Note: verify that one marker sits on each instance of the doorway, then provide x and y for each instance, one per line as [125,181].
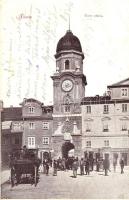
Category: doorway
[66,148]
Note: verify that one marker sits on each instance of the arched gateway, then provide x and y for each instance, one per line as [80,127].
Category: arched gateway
[66,147]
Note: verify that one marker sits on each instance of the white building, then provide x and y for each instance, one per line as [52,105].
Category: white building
[105,122]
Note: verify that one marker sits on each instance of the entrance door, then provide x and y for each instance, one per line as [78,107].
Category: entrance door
[66,147]
[44,155]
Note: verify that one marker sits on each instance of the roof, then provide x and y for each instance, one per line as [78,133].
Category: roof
[106,99]
[69,42]
[123,83]
[12,113]
[95,99]
[30,100]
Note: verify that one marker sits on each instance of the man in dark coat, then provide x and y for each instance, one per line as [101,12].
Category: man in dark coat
[122,165]
[106,165]
[87,167]
[75,167]
[82,166]
[55,166]
[47,168]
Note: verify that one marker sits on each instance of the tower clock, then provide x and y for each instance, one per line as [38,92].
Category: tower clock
[68,90]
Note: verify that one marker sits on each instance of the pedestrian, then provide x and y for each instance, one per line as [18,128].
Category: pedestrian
[122,165]
[44,166]
[106,165]
[63,164]
[114,164]
[47,168]
[82,166]
[55,165]
[87,166]
[75,168]
[41,168]
[97,165]
[67,164]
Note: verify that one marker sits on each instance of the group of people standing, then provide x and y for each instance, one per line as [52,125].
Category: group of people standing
[84,164]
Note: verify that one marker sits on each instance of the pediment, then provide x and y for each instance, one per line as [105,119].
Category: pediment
[106,118]
[124,118]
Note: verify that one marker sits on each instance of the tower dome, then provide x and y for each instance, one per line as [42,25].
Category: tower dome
[69,42]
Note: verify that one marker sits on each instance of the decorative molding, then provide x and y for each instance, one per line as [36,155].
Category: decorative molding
[106,118]
[124,118]
[67,115]
[56,84]
[88,120]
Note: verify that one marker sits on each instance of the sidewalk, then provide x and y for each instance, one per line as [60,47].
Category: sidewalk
[4,176]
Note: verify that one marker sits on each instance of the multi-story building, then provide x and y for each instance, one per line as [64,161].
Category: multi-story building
[37,125]
[12,131]
[68,90]
[29,125]
[75,123]
[105,122]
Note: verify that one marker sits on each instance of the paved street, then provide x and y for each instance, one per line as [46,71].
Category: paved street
[96,185]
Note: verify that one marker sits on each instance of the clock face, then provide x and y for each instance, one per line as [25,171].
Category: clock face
[67,85]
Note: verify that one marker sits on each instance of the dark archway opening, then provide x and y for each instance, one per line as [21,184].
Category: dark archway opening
[66,147]
[67,64]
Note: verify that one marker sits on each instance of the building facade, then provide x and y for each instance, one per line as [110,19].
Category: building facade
[68,90]
[105,122]
[74,124]
[38,126]
[12,132]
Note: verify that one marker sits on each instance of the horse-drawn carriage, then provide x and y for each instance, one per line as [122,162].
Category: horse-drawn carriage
[24,167]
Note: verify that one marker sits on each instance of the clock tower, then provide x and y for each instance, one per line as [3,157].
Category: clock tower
[68,90]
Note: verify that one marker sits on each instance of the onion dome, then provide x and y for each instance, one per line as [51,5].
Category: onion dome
[69,42]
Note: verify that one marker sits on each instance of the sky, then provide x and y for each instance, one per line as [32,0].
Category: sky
[31,29]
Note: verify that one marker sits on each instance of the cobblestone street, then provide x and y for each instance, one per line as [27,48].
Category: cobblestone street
[96,185]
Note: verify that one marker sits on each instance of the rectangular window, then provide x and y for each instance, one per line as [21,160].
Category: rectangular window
[88,127]
[88,109]
[17,140]
[106,143]
[67,108]
[124,107]
[16,126]
[31,125]
[45,140]
[45,125]
[105,109]
[105,127]
[88,143]
[31,142]
[31,109]
[124,92]
[124,126]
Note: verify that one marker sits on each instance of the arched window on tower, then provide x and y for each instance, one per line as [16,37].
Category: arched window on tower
[67,108]
[67,64]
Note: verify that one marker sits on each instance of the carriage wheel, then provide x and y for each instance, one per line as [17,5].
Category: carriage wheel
[35,176]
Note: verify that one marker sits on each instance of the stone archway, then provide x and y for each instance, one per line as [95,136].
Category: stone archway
[66,147]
